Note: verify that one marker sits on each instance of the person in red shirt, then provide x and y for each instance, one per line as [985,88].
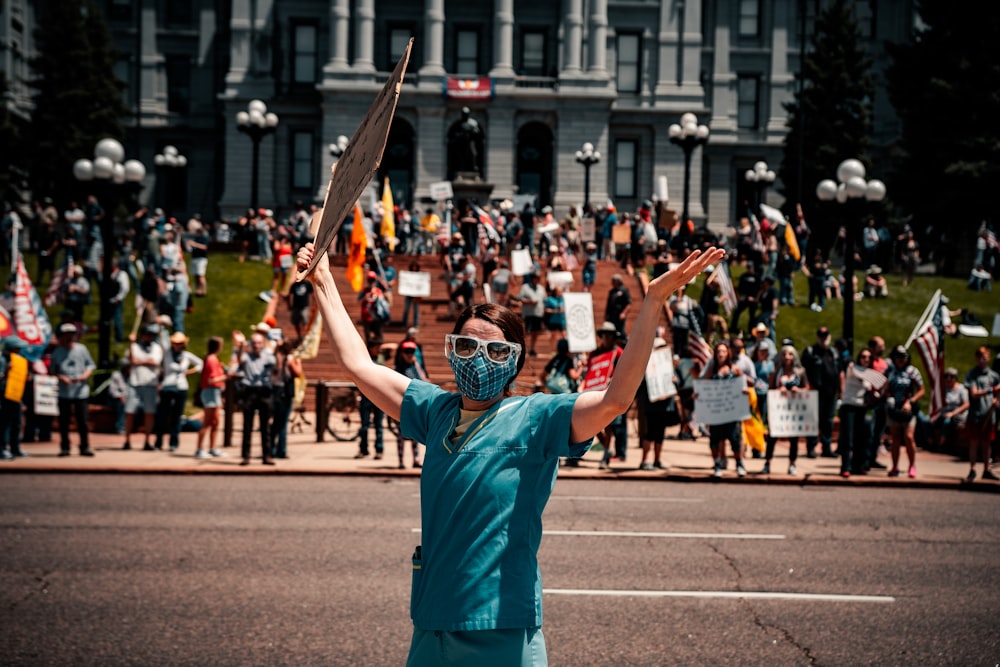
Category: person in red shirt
[600,368]
[213,382]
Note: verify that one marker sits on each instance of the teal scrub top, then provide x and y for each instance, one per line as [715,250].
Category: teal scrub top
[481,503]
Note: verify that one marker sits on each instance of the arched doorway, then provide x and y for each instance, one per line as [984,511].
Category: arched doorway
[534,161]
[397,163]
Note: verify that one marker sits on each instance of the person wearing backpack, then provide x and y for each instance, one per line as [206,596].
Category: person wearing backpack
[562,373]
[374,307]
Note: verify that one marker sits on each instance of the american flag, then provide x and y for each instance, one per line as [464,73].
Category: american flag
[991,238]
[53,294]
[486,225]
[930,345]
[727,293]
[699,349]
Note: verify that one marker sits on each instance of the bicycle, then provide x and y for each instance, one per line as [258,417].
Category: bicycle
[343,409]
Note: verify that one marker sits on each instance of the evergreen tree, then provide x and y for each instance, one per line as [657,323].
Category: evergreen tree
[831,115]
[78,100]
[945,87]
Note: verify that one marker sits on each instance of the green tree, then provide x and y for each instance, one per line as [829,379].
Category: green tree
[78,100]
[945,87]
[831,115]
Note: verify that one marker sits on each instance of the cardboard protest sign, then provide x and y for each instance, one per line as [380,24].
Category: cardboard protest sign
[580,321]
[46,395]
[660,374]
[721,401]
[357,166]
[521,263]
[414,283]
[792,414]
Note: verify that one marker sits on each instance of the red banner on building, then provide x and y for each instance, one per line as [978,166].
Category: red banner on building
[457,88]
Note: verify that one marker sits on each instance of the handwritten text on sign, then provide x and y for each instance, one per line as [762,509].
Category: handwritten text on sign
[792,414]
[721,401]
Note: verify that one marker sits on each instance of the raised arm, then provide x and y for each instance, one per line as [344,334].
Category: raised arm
[595,410]
[380,384]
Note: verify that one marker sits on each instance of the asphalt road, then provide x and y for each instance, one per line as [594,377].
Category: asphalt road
[232,570]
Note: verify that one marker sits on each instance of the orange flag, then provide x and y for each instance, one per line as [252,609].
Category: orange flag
[356,260]
[792,242]
[388,230]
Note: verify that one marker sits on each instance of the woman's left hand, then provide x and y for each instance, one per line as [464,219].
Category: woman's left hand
[668,283]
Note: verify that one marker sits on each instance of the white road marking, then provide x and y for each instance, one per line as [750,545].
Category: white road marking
[630,499]
[734,595]
[625,533]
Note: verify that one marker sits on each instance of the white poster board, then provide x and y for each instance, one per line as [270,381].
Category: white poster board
[587,228]
[46,395]
[721,401]
[414,283]
[520,262]
[660,374]
[996,326]
[441,190]
[562,279]
[580,327]
[792,414]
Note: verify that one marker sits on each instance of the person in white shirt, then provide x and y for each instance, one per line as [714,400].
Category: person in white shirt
[145,358]
[178,363]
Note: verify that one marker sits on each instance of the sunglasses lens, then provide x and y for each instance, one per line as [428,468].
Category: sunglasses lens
[498,351]
[465,346]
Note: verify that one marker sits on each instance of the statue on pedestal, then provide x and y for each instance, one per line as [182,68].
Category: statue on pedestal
[465,146]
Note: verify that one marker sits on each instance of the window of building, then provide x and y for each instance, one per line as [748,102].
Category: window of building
[399,37]
[629,50]
[180,12]
[747,101]
[864,12]
[626,167]
[533,53]
[302,160]
[467,51]
[121,9]
[122,71]
[748,23]
[179,83]
[304,58]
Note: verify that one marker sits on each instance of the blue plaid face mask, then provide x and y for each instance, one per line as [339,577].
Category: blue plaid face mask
[484,373]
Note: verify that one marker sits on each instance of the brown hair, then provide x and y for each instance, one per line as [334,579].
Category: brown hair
[510,324]
[214,344]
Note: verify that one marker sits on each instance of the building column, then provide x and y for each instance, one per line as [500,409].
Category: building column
[573,38]
[434,30]
[503,39]
[340,25]
[679,56]
[597,64]
[364,36]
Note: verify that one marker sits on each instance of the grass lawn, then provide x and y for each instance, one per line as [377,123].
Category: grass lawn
[892,318]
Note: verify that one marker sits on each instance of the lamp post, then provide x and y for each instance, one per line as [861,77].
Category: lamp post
[256,122]
[169,160]
[588,157]
[850,185]
[108,170]
[688,135]
[760,177]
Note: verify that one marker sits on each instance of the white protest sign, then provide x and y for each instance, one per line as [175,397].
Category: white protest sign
[520,262]
[660,374]
[580,321]
[792,414]
[46,395]
[441,190]
[721,401]
[587,228]
[996,325]
[560,279]
[414,283]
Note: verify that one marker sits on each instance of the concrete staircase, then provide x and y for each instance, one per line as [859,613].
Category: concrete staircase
[435,323]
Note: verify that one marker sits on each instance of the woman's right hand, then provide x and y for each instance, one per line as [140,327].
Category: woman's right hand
[321,273]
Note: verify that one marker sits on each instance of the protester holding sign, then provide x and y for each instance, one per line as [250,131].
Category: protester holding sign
[789,377]
[723,367]
[476,589]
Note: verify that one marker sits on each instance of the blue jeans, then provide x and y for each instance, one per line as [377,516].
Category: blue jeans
[369,413]
[853,439]
[413,302]
[786,294]
[827,408]
[279,423]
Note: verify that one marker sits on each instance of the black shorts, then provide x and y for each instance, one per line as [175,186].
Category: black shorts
[532,323]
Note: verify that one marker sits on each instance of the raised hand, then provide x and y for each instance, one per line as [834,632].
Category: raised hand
[693,264]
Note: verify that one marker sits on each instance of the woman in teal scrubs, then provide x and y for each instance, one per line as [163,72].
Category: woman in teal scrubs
[489,468]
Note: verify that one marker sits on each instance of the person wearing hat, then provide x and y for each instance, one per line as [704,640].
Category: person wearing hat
[13,381]
[255,365]
[767,302]
[178,364]
[608,223]
[76,295]
[904,388]
[600,369]
[374,306]
[589,271]
[617,306]
[145,359]
[761,339]
[491,461]
[72,365]
[875,283]
[954,414]
[820,362]
[408,364]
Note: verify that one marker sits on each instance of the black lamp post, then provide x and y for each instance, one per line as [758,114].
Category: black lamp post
[168,161]
[588,157]
[114,178]
[256,122]
[851,186]
[760,177]
[688,135]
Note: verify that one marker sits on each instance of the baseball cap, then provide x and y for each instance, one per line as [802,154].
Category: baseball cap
[408,346]
[150,329]
[951,371]
[607,327]
[372,275]
[67,328]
